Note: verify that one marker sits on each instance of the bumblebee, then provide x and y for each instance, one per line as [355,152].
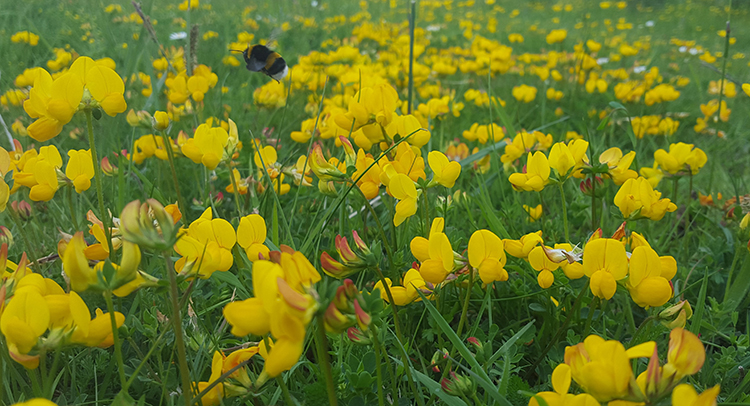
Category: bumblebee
[261,59]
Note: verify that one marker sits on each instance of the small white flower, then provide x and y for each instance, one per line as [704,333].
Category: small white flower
[602,61]
[314,3]
[683,49]
[433,28]
[649,23]
[693,51]
[177,35]
[639,69]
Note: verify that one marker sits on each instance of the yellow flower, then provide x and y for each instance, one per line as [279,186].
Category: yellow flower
[649,280]
[524,93]
[541,263]
[206,246]
[161,119]
[103,83]
[251,236]
[560,397]
[681,157]
[82,276]
[216,394]
[408,125]
[563,158]
[324,170]
[370,182]
[486,254]
[445,172]
[637,195]
[402,188]
[601,368]
[619,165]
[23,321]
[436,254]
[556,36]
[535,213]
[52,103]
[39,172]
[271,95]
[686,355]
[80,169]
[403,295]
[685,395]
[522,247]
[36,402]
[605,262]
[207,146]
[535,176]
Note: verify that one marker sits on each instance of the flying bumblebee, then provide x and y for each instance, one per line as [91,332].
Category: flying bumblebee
[261,59]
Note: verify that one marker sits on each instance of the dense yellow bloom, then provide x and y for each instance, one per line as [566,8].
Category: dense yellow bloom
[445,172]
[605,262]
[251,236]
[80,169]
[370,182]
[484,133]
[535,175]
[410,126]
[523,143]
[206,246]
[82,276]
[638,195]
[25,37]
[681,157]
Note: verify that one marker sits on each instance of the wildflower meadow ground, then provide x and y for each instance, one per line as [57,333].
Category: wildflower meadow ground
[391,202]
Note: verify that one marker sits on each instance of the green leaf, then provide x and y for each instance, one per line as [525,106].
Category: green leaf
[433,387]
[466,162]
[510,343]
[479,373]
[738,290]
[123,399]
[488,212]
[695,324]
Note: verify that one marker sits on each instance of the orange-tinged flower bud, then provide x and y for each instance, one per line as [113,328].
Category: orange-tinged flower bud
[686,353]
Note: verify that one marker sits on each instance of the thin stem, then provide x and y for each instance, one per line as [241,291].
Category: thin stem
[388,249]
[379,373]
[170,158]
[593,203]
[235,190]
[115,337]
[187,390]
[629,314]
[465,310]
[284,390]
[69,198]
[144,360]
[98,179]
[564,212]
[412,26]
[324,361]
[592,310]
[564,327]
[726,57]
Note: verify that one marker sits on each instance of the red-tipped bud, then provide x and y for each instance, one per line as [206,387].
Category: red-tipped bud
[357,336]
[457,385]
[342,246]
[6,237]
[332,267]
[363,318]
[22,209]
[588,187]
[620,233]
[108,168]
[359,243]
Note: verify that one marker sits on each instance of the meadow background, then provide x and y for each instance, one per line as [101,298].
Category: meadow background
[475,62]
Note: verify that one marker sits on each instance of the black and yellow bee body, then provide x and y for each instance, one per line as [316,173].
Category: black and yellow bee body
[259,58]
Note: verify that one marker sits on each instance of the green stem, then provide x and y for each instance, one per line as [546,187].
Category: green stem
[378,372]
[465,309]
[69,198]
[592,309]
[564,327]
[51,375]
[235,190]
[564,212]
[737,253]
[31,249]
[593,203]
[629,314]
[726,57]
[115,337]
[324,361]
[98,180]
[144,360]
[187,390]
[284,390]
[170,158]
[412,26]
